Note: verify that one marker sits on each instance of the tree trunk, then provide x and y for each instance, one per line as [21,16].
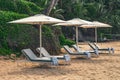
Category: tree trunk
[51,43]
[50,7]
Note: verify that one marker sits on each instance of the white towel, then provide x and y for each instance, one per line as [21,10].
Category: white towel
[67,57]
[96,52]
[88,54]
[54,61]
[112,49]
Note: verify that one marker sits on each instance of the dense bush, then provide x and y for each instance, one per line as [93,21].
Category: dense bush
[8,5]
[4,51]
[20,6]
[41,3]
[64,41]
[46,31]
[27,7]
[14,37]
[6,16]
[34,8]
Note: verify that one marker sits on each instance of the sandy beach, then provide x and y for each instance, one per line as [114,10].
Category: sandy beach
[104,67]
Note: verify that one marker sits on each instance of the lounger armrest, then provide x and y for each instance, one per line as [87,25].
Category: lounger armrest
[82,52]
[76,53]
[113,50]
[54,60]
[88,54]
[96,52]
[67,57]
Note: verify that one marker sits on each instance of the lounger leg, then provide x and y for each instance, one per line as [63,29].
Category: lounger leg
[54,61]
[88,55]
[112,49]
[54,66]
[96,52]
[109,50]
[67,58]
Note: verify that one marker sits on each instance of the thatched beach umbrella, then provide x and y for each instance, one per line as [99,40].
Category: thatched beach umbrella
[77,22]
[39,19]
[96,24]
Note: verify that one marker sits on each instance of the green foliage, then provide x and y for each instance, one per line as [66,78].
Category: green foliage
[4,51]
[34,8]
[14,36]
[27,7]
[106,11]
[5,29]
[57,13]
[41,3]
[20,6]
[46,31]
[7,5]
[79,10]
[6,16]
[64,41]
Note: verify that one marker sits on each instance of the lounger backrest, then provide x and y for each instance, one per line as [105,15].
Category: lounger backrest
[43,52]
[29,54]
[68,49]
[91,46]
[76,48]
[96,45]
[32,57]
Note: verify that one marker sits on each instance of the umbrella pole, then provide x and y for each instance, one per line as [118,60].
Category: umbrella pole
[76,35]
[96,34]
[40,39]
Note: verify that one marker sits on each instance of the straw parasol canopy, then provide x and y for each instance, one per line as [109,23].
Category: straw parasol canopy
[39,19]
[77,22]
[96,24]
[74,22]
